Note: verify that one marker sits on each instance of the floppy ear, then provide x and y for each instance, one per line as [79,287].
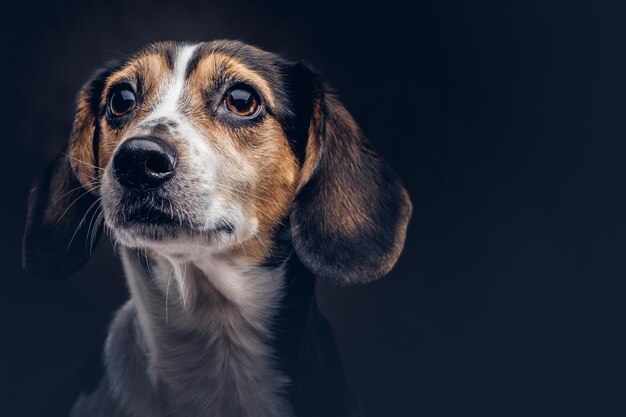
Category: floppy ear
[62,225]
[351,213]
[59,233]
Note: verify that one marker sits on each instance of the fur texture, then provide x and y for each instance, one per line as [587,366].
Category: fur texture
[220,258]
[205,353]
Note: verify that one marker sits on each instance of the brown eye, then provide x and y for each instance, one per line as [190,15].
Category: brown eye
[122,102]
[242,102]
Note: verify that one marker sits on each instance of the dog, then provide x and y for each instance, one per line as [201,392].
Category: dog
[229,179]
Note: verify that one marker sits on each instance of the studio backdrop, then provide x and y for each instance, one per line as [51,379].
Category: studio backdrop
[503,119]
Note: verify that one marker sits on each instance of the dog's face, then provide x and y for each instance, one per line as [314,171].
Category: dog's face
[194,151]
[218,147]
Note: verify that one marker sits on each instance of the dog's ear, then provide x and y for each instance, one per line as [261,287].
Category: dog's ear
[350,216]
[61,224]
[60,233]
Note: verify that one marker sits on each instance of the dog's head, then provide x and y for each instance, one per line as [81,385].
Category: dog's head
[186,149]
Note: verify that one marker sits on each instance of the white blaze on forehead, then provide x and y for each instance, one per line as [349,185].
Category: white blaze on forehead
[199,192]
[170,94]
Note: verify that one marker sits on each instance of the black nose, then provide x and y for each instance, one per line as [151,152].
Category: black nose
[144,163]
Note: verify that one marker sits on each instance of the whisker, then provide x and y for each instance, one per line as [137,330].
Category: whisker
[244,192]
[81,222]
[167,294]
[242,247]
[112,239]
[69,192]
[145,257]
[183,277]
[91,223]
[263,246]
[100,219]
[82,162]
[74,202]
[268,254]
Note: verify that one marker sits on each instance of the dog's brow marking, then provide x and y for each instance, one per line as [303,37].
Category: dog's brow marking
[168,101]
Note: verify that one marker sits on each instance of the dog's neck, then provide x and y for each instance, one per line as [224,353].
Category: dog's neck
[207,328]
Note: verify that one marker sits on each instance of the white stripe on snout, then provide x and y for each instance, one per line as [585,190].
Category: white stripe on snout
[197,182]
[168,102]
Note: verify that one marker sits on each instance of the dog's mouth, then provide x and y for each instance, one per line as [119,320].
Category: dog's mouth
[157,219]
[147,215]
[149,222]
[151,216]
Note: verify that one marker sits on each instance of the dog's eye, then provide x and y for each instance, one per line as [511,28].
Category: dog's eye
[122,101]
[242,102]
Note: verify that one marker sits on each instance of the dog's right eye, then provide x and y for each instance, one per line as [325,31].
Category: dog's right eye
[242,101]
[122,101]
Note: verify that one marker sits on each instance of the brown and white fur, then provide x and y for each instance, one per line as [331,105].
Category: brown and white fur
[220,259]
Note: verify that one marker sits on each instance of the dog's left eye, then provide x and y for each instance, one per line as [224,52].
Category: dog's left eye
[122,101]
[242,101]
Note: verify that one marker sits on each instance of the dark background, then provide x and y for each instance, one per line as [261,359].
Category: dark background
[505,121]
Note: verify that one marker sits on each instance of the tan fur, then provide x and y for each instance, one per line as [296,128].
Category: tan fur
[210,65]
[153,69]
[267,194]
[207,249]
[349,204]
[80,151]
[313,146]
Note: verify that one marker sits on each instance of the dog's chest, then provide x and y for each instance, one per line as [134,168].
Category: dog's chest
[206,327]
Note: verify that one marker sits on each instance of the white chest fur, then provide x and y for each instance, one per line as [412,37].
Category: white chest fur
[205,333]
